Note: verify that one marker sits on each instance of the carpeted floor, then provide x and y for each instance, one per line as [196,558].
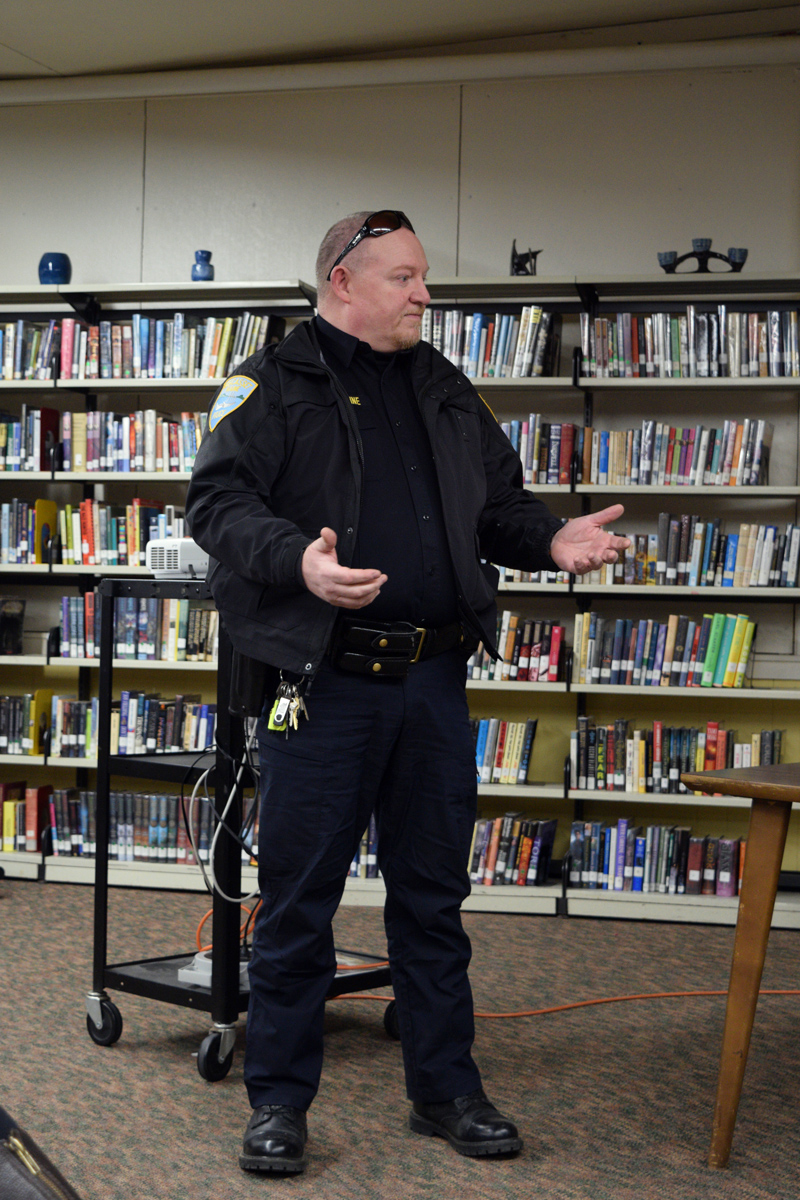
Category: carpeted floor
[614,1101]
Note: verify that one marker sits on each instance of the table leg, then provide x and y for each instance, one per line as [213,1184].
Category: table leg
[769,822]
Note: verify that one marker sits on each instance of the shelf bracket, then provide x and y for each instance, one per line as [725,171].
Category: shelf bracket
[85,306]
[589,297]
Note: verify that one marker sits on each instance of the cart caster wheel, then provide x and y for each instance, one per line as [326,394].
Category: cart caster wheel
[208,1063]
[390,1022]
[111,1030]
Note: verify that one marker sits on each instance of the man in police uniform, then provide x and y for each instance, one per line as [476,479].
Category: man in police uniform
[354,470]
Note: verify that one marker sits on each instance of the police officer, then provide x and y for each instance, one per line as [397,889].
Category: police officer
[351,489]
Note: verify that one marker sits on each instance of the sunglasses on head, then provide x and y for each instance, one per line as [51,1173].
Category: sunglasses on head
[376,225]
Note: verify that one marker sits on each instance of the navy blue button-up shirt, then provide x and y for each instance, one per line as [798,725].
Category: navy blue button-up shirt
[401,527]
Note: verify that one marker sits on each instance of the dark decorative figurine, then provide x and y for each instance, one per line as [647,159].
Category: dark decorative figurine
[523,264]
[701,251]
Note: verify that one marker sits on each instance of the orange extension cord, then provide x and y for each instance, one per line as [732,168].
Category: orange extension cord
[543,1012]
[496,1016]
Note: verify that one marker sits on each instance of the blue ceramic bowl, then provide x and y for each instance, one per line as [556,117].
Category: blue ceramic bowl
[55,268]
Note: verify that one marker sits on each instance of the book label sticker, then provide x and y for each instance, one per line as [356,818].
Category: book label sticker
[233,394]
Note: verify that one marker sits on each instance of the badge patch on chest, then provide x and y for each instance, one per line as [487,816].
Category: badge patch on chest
[234,392]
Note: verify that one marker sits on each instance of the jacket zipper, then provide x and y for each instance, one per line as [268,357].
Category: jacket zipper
[16,1147]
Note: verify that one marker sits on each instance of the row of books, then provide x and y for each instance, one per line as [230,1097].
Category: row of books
[143,826]
[26,722]
[183,346]
[145,629]
[499,345]
[531,651]
[735,454]
[14,814]
[90,533]
[694,344]
[44,722]
[615,758]
[503,749]
[687,551]
[144,440]
[511,850]
[507,575]
[73,727]
[661,859]
[145,723]
[678,652]
[29,349]
[60,821]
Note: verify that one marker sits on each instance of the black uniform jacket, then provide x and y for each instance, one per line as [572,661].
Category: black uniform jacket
[287,460]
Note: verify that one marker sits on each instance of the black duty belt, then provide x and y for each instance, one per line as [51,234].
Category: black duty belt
[389,648]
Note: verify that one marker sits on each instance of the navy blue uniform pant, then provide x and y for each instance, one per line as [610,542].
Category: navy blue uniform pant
[403,749]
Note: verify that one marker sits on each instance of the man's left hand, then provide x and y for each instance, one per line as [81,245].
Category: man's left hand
[583,545]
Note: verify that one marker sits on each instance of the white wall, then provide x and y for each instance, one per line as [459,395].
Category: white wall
[71,179]
[601,171]
[258,179]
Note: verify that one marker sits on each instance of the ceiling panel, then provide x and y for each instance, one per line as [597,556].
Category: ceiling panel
[42,36]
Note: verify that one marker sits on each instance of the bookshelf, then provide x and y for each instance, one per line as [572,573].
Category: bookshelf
[616,403]
[567,396]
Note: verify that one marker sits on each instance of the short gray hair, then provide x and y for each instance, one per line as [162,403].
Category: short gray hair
[334,243]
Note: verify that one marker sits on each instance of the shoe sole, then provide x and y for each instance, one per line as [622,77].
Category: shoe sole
[274,1166]
[471,1149]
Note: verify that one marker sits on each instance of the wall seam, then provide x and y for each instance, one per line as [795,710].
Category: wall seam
[144,192]
[458,172]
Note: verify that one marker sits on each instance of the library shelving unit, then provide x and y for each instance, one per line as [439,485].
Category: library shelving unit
[611,403]
[618,403]
[39,583]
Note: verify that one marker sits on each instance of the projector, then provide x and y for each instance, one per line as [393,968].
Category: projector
[176,558]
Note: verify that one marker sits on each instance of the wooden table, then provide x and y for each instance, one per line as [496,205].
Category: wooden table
[773,790]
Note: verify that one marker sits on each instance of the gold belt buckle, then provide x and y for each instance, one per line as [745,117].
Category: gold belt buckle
[424,634]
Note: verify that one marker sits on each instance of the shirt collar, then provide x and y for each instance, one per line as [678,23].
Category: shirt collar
[336,341]
[345,346]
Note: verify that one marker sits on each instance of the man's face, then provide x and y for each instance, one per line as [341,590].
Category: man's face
[387,291]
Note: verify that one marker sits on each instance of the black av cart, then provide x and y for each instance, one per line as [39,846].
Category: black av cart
[158,978]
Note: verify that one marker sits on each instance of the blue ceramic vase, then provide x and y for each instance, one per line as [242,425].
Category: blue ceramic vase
[55,268]
[202,271]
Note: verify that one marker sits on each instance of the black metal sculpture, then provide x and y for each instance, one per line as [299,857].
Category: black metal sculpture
[523,264]
[701,251]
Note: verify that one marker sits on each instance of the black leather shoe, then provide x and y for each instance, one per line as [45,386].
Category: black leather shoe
[275,1140]
[471,1124]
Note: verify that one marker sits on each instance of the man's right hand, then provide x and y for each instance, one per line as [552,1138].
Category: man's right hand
[341,586]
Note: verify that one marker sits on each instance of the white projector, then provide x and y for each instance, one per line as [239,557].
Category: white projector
[176,558]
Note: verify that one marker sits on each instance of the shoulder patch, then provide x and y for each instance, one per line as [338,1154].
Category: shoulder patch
[234,393]
[488,406]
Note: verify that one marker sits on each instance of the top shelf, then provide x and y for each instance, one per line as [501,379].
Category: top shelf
[605,289]
[270,292]
[274,291]
[456,289]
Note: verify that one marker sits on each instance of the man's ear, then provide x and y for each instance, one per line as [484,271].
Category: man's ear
[341,280]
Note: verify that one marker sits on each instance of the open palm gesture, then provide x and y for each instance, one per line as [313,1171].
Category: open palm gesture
[584,545]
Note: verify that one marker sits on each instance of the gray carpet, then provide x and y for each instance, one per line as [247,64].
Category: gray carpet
[614,1102]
